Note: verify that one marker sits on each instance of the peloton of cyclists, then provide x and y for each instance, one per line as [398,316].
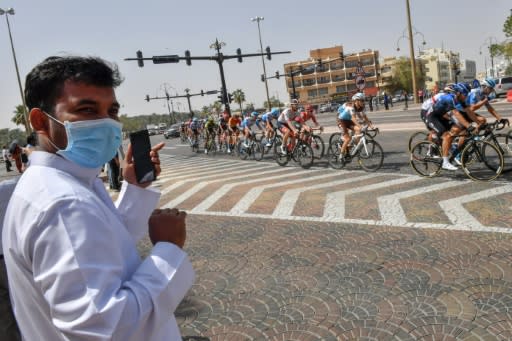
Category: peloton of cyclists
[210,128]
[233,123]
[352,117]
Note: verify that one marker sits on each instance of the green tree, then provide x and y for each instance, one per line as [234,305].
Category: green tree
[217,106]
[507,26]
[19,116]
[239,97]
[402,78]
[274,103]
[249,107]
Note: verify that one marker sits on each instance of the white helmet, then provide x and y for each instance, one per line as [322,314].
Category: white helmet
[358,96]
[294,102]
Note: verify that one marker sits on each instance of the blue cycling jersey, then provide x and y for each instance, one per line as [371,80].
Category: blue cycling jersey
[475,96]
[248,122]
[268,117]
[345,112]
[446,103]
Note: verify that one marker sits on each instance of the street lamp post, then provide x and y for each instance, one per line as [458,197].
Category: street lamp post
[489,43]
[25,114]
[411,51]
[258,19]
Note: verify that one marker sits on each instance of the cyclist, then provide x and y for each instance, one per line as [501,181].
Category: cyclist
[308,114]
[210,127]
[285,124]
[233,123]
[352,116]
[445,116]
[223,131]
[481,96]
[194,128]
[267,119]
[247,124]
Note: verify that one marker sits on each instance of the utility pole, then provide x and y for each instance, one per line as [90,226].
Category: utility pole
[411,51]
[187,95]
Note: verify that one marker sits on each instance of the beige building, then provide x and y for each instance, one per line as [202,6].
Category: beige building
[325,77]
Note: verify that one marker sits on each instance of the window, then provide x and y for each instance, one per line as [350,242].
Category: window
[351,87]
[323,80]
[308,82]
[322,91]
[367,61]
[370,84]
[336,65]
[338,78]
[341,89]
[312,93]
[351,63]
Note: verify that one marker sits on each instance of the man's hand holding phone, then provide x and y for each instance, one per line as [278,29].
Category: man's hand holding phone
[168,225]
[129,173]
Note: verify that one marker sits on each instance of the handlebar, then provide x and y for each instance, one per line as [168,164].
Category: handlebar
[371,132]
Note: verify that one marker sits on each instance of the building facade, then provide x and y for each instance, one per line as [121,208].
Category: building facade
[330,75]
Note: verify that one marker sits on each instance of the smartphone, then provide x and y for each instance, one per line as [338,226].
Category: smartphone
[141,146]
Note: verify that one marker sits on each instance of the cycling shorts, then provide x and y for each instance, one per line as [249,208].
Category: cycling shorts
[438,124]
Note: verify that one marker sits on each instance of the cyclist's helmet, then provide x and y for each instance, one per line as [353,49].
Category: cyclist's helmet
[254,114]
[489,82]
[475,84]
[194,119]
[294,102]
[449,88]
[274,112]
[462,88]
[358,97]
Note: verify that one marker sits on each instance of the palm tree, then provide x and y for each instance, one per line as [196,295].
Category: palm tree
[239,97]
[217,106]
[19,116]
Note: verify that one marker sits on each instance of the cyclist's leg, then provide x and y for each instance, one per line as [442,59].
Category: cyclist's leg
[345,126]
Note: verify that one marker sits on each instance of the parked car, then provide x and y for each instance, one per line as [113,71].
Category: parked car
[173,131]
[503,85]
[325,108]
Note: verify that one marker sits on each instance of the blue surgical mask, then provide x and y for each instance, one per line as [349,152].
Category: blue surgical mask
[91,143]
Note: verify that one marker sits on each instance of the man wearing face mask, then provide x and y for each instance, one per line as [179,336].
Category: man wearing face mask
[73,266]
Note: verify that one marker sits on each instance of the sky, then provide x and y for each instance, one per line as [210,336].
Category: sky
[116,29]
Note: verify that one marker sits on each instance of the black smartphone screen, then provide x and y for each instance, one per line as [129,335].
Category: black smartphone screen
[141,146]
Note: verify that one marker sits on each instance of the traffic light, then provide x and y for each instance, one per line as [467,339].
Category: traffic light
[202,93]
[221,97]
[140,61]
[277,75]
[147,98]
[262,77]
[269,55]
[167,95]
[239,55]
[230,99]
[165,59]
[187,58]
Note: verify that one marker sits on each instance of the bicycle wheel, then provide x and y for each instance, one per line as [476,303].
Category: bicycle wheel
[371,156]
[426,159]
[482,161]
[334,136]
[278,141]
[242,151]
[303,154]
[336,160]
[211,147]
[416,137]
[195,147]
[282,159]
[504,144]
[257,150]
[317,144]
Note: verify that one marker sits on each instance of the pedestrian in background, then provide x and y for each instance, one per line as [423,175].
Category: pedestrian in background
[74,269]
[15,152]
[5,157]
[406,99]
[386,101]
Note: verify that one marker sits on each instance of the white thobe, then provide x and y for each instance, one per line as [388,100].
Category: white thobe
[73,265]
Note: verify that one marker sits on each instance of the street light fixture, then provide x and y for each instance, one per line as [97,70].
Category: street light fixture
[10,11]
[258,19]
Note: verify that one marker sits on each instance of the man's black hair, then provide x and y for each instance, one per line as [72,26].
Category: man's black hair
[44,83]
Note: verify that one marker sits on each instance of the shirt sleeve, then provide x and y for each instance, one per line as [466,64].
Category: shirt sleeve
[135,205]
[94,283]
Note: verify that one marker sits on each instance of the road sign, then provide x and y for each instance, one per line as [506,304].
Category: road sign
[360,82]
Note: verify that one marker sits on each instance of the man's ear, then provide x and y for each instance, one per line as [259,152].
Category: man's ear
[39,121]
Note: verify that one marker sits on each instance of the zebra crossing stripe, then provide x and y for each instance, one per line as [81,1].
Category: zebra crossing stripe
[391,210]
[458,215]
[250,197]
[199,186]
[211,174]
[286,205]
[334,207]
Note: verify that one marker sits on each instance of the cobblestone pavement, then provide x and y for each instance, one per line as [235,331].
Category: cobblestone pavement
[393,265]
